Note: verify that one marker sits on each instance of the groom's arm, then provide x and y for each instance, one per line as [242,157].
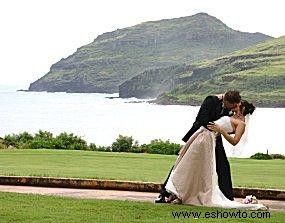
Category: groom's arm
[203,117]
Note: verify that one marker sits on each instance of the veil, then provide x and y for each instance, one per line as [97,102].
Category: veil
[240,150]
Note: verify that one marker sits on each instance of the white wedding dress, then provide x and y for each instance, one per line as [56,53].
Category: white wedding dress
[194,179]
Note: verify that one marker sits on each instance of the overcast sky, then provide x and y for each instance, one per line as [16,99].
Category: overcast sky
[37,33]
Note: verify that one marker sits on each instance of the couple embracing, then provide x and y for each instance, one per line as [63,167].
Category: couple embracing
[201,174]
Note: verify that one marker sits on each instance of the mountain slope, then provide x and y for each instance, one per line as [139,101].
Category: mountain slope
[258,72]
[114,57]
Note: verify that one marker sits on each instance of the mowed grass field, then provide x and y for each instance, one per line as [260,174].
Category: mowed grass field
[128,166]
[23,208]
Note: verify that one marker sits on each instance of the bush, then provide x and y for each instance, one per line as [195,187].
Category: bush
[65,141]
[2,145]
[93,147]
[42,140]
[44,135]
[11,140]
[138,149]
[124,144]
[24,140]
[261,156]
[159,146]
[69,141]
[277,156]
[25,137]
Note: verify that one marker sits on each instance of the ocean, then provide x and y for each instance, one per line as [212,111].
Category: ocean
[100,118]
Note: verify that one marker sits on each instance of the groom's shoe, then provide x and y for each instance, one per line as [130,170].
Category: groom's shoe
[160,199]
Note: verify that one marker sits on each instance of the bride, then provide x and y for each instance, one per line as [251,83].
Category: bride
[193,179]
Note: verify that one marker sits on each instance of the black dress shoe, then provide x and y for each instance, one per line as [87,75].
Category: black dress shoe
[160,199]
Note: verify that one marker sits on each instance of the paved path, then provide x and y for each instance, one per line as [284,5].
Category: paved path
[110,194]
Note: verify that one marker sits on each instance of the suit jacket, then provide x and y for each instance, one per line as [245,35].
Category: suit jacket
[210,110]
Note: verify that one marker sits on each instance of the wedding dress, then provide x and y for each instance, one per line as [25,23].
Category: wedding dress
[194,179]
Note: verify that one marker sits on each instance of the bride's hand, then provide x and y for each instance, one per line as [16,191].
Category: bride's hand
[214,127]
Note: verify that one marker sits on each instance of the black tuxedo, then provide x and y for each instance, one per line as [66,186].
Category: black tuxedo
[211,110]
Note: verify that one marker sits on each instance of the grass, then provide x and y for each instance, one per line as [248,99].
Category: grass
[23,208]
[128,166]
[85,164]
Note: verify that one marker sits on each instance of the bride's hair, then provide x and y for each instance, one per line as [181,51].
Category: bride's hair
[241,148]
[246,107]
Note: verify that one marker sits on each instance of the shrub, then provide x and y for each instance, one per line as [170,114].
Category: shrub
[277,156]
[138,149]
[2,145]
[24,137]
[24,140]
[42,140]
[44,135]
[69,141]
[11,140]
[261,156]
[159,146]
[123,144]
[93,147]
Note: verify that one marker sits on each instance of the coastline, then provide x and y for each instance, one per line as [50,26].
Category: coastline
[163,100]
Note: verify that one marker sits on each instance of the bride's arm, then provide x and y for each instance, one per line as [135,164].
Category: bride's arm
[232,140]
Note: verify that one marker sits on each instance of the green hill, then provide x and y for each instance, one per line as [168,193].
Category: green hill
[258,72]
[115,57]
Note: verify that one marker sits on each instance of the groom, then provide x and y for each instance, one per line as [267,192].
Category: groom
[212,108]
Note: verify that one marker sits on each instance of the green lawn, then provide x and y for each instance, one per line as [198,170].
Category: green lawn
[22,208]
[128,166]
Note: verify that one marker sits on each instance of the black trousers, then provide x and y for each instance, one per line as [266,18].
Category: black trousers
[223,172]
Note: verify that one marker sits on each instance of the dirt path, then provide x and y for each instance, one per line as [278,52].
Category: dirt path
[110,194]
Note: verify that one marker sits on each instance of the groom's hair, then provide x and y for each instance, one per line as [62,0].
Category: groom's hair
[232,97]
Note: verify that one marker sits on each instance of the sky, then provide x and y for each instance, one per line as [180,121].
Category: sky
[36,34]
